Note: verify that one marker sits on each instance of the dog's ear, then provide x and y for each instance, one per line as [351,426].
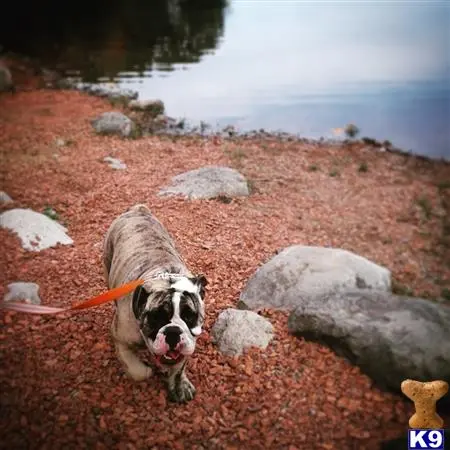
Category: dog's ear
[139,301]
[201,282]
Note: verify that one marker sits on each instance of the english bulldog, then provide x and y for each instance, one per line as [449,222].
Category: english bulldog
[166,313]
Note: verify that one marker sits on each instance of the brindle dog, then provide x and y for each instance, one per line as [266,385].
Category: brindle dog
[166,313]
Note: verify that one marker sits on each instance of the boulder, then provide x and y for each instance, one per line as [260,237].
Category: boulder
[208,182]
[236,331]
[390,337]
[115,163]
[29,292]
[36,231]
[114,123]
[300,272]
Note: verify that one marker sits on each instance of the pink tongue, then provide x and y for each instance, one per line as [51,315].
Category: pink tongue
[172,354]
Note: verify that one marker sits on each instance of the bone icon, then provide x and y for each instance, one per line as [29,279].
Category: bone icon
[425,396]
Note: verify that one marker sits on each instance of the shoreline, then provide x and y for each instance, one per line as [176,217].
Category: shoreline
[177,127]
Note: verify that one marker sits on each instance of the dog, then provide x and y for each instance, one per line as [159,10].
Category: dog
[166,313]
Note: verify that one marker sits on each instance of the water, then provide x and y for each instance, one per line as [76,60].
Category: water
[295,66]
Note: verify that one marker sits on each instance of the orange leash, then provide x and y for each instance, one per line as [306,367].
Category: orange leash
[106,297]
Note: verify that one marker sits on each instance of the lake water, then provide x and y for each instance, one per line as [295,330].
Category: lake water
[296,66]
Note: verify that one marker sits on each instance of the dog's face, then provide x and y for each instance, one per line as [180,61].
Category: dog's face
[171,315]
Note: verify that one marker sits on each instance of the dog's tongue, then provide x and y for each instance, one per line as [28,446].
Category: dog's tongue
[172,354]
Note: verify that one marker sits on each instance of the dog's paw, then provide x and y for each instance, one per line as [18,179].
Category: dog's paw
[183,392]
[140,373]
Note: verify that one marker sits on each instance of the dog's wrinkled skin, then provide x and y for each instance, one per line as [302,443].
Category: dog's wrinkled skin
[166,313]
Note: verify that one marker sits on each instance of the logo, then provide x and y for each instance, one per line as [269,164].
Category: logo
[429,439]
[425,425]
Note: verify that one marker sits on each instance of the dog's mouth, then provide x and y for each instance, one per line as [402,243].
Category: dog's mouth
[172,357]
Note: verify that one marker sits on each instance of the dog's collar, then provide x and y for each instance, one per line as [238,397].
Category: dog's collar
[176,280]
[165,276]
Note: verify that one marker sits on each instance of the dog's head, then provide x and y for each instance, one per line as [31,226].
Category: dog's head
[170,313]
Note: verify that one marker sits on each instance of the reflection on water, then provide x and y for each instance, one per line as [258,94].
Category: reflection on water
[301,67]
[111,38]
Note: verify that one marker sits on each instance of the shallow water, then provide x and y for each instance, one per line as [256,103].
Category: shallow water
[300,67]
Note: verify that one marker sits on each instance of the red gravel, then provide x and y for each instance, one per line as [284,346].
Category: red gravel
[61,385]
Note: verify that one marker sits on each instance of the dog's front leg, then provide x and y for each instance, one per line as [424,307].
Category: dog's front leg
[134,367]
[123,340]
[180,389]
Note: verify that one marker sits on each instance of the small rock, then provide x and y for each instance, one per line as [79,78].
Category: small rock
[60,142]
[23,291]
[111,91]
[105,90]
[154,107]
[115,163]
[5,198]
[164,120]
[6,82]
[236,330]
[36,231]
[114,123]
[208,182]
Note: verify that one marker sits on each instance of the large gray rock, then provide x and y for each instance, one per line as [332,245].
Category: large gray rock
[235,331]
[114,122]
[208,182]
[307,272]
[36,231]
[21,290]
[391,338]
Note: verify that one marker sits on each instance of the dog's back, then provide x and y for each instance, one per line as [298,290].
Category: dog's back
[137,239]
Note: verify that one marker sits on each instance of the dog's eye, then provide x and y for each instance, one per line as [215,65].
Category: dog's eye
[159,316]
[189,316]
[154,321]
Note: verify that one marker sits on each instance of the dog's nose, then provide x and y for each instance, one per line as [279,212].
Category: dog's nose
[172,335]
